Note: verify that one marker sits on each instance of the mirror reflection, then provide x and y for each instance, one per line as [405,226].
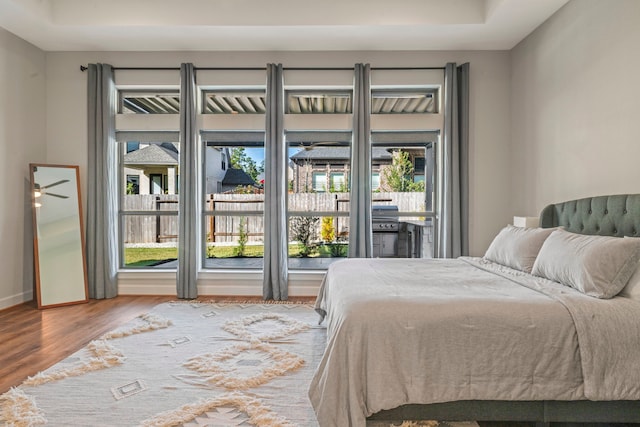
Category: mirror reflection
[58,235]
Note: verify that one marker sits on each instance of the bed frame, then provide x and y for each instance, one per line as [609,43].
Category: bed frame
[617,215]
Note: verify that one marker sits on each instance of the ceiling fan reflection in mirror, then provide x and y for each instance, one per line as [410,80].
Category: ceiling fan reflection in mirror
[40,190]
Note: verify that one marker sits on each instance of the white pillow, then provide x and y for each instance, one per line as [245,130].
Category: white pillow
[517,247]
[632,288]
[599,266]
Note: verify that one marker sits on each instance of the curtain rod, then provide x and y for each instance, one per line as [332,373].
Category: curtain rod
[84,68]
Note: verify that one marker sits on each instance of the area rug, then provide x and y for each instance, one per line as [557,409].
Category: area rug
[186,364]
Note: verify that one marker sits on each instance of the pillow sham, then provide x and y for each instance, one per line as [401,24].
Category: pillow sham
[632,288]
[517,247]
[599,266]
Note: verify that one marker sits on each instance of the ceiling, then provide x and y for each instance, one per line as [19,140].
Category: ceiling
[263,25]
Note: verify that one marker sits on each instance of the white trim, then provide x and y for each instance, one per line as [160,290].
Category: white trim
[146,282]
[16,299]
[215,282]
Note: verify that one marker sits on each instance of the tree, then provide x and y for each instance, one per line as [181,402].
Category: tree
[240,160]
[397,177]
[243,237]
[304,230]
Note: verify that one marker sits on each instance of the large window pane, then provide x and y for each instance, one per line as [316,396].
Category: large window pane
[404,174]
[234,241]
[150,241]
[234,205]
[149,204]
[319,199]
[156,166]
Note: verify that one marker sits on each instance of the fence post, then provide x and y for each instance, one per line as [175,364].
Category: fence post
[212,219]
[157,220]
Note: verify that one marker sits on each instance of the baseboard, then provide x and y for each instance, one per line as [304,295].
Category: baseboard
[14,300]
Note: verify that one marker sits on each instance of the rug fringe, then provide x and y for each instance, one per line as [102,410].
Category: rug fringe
[104,356]
[212,365]
[17,409]
[259,415]
[239,327]
[153,322]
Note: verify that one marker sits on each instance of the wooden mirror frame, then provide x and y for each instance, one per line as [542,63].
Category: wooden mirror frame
[58,236]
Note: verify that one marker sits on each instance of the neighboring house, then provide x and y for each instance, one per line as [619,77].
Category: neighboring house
[154,169]
[234,178]
[216,164]
[151,168]
[322,169]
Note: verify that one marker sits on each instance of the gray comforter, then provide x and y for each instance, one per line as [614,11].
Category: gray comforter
[425,331]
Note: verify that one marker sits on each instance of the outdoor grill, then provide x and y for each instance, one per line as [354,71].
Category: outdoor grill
[385,227]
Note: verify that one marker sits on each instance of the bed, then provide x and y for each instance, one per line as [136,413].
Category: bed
[545,327]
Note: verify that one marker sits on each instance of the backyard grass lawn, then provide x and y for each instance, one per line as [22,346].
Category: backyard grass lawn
[145,257]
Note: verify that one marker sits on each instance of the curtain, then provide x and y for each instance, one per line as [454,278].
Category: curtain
[275,278]
[453,226]
[102,191]
[360,236]
[187,208]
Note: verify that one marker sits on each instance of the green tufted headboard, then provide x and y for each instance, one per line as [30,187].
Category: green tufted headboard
[617,215]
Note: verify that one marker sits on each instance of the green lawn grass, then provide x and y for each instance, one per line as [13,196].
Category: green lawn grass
[148,257]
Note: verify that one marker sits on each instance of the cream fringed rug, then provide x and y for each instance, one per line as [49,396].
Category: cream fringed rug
[185,364]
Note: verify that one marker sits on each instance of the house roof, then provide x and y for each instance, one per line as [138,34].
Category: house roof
[237,177]
[153,154]
[336,153]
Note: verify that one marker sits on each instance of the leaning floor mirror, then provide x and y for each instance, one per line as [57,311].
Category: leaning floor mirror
[58,243]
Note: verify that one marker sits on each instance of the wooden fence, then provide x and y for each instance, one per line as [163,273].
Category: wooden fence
[223,228]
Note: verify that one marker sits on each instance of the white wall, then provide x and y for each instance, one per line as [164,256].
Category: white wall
[575,93]
[22,141]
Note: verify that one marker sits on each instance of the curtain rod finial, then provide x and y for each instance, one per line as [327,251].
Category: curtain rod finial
[83,68]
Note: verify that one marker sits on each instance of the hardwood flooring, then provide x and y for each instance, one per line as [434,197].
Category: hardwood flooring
[32,340]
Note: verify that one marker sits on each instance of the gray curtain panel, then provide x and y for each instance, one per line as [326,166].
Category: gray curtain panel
[453,226]
[360,235]
[187,208]
[102,191]
[275,278]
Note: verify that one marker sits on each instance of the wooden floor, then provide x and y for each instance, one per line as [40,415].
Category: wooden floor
[32,340]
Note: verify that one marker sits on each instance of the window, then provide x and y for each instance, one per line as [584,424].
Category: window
[132,146]
[319,201]
[233,201]
[133,184]
[231,149]
[318,102]
[404,101]
[230,101]
[148,102]
[402,185]
[149,205]
[319,182]
[375,181]
[338,182]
